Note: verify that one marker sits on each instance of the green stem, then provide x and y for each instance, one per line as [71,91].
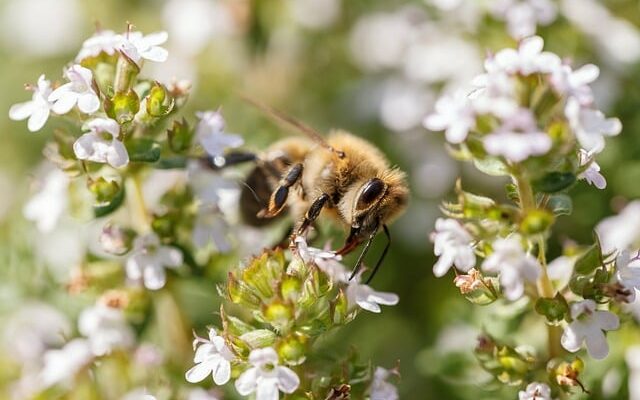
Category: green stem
[140,216]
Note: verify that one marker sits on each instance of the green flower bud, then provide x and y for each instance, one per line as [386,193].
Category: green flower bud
[290,288]
[536,221]
[180,136]
[126,72]
[240,293]
[259,338]
[554,310]
[159,103]
[292,349]
[123,106]
[104,191]
[278,314]
[259,276]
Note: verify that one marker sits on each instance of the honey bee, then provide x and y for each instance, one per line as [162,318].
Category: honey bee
[341,176]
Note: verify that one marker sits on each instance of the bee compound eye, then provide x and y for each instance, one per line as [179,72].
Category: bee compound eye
[371,191]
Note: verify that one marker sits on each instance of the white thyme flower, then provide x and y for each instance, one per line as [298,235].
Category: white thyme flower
[61,365]
[560,271]
[620,232]
[526,60]
[212,357]
[106,328]
[37,109]
[535,391]
[149,259]
[523,16]
[453,114]
[139,47]
[518,138]
[628,272]
[265,377]
[103,41]
[79,90]
[365,297]
[590,125]
[575,83]
[101,143]
[454,245]
[210,226]
[47,206]
[381,389]
[328,261]
[588,327]
[592,174]
[212,136]
[201,394]
[514,265]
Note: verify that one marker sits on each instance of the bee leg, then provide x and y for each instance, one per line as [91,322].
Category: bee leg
[383,255]
[229,159]
[364,252]
[312,213]
[278,198]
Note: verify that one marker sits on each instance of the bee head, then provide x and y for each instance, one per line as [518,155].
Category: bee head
[374,202]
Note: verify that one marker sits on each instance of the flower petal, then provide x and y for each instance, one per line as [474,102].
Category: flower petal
[89,102]
[288,381]
[38,119]
[384,298]
[263,356]
[170,256]
[369,306]
[267,389]
[60,92]
[247,381]
[156,38]
[572,337]
[222,373]
[198,373]
[65,103]
[596,344]
[21,111]
[154,277]
[606,320]
[117,155]
[157,54]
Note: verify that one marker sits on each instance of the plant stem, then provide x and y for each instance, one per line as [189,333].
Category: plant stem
[545,287]
[140,216]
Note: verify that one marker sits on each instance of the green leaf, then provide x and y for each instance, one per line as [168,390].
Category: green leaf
[589,260]
[178,162]
[107,208]
[560,204]
[143,150]
[554,182]
[491,166]
[554,309]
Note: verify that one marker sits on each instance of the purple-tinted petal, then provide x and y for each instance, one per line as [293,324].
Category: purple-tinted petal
[21,111]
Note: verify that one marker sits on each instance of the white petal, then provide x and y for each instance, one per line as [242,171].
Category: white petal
[204,351]
[443,265]
[288,381]
[384,298]
[65,103]
[198,373]
[157,54]
[38,119]
[596,344]
[21,111]
[247,381]
[531,46]
[585,74]
[369,306]
[606,320]
[83,146]
[60,92]
[89,103]
[572,337]
[154,277]
[134,268]
[156,38]
[170,256]
[263,356]
[117,155]
[267,390]
[222,373]
[457,132]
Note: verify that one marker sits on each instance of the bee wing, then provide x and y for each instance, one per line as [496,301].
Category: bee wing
[291,122]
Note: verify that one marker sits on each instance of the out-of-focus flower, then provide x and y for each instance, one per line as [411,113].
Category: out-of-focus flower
[632,357]
[103,41]
[266,378]
[454,245]
[139,47]
[47,206]
[212,136]
[592,174]
[514,265]
[368,299]
[403,105]
[628,273]
[61,365]
[576,83]
[590,125]
[40,34]
[315,14]
[148,355]
[32,329]
[212,357]
[106,328]
[210,226]
[453,114]
[148,260]
[560,271]
[328,261]
[523,16]
[37,109]
[79,90]
[467,283]
[526,60]
[518,138]
[138,394]
[93,146]
[381,389]
[620,232]
[535,391]
[588,326]
[201,394]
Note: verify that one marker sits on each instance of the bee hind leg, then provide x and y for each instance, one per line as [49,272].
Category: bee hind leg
[278,198]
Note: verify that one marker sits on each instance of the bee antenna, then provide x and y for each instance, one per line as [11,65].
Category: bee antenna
[383,255]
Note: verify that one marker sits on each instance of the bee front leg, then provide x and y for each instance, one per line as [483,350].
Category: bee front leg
[312,213]
[278,198]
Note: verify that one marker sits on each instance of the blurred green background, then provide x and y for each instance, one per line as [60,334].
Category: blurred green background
[328,63]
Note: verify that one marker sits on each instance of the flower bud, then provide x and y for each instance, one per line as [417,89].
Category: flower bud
[340,308]
[158,102]
[259,338]
[103,190]
[554,310]
[278,314]
[566,374]
[258,275]
[240,293]
[123,106]
[180,136]
[536,221]
[115,239]
[476,288]
[292,349]
[290,288]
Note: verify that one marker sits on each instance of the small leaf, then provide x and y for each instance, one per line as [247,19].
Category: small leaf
[589,260]
[143,150]
[554,309]
[107,208]
[491,166]
[554,182]
[560,204]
